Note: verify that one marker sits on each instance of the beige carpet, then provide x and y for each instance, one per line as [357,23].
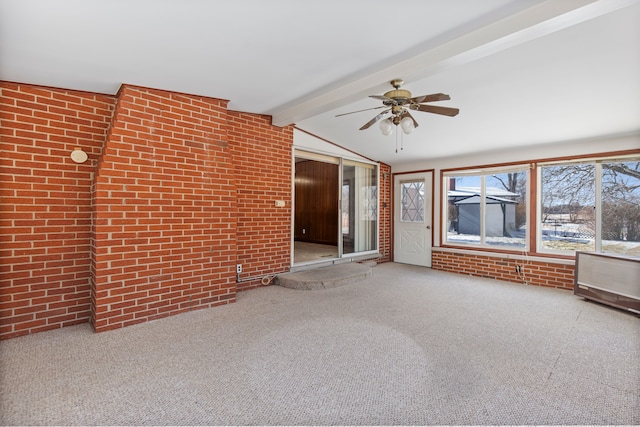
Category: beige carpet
[407,346]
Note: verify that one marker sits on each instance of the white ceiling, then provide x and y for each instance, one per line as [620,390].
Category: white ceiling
[522,72]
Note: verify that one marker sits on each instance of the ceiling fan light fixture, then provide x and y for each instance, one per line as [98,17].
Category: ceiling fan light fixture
[386,126]
[397,103]
[407,125]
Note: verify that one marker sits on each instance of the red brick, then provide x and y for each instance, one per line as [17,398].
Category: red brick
[535,273]
[165,197]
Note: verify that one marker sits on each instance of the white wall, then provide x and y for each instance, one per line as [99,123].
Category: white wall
[531,153]
[305,141]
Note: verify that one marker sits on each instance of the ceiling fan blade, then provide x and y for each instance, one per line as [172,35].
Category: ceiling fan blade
[359,111]
[406,114]
[430,98]
[445,111]
[374,120]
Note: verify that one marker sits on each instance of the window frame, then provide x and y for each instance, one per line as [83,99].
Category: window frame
[482,173]
[597,162]
[534,194]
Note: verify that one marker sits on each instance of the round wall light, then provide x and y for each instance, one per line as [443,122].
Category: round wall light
[78,155]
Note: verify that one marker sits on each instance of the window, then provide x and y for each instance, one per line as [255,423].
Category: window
[412,201]
[346,222]
[369,199]
[620,207]
[567,220]
[487,208]
[590,206]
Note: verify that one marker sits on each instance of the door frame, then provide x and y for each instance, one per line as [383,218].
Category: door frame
[394,206]
[339,160]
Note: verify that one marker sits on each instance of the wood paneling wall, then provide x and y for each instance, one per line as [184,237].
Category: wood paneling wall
[316,195]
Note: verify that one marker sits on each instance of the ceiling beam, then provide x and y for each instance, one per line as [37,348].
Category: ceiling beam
[529,24]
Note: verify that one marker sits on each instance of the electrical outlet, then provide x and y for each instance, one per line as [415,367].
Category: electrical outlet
[304,231]
[238,268]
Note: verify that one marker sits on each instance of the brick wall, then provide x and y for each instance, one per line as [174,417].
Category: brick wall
[386,213]
[513,270]
[165,209]
[176,192]
[45,204]
[262,159]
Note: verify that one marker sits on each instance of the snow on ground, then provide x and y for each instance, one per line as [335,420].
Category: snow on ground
[569,240]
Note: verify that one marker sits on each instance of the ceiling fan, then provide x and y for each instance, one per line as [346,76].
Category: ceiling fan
[398,103]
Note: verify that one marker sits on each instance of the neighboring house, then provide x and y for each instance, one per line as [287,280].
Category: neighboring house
[500,206]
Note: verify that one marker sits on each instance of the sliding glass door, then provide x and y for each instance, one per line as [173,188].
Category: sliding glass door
[335,208]
[359,207]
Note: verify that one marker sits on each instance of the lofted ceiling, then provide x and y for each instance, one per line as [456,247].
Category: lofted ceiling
[522,72]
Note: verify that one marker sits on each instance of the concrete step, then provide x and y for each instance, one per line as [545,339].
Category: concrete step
[325,277]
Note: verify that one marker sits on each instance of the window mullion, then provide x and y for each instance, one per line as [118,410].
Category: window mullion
[483,209]
[598,207]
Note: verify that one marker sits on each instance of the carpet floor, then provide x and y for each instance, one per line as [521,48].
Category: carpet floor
[408,346]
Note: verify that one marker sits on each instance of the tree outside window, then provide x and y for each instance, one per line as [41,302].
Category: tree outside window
[591,207]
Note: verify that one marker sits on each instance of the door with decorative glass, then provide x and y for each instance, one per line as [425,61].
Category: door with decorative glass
[412,219]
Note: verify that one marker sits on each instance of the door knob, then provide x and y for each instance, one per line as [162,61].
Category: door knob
[428,227]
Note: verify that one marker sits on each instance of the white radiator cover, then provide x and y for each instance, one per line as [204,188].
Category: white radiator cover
[610,279]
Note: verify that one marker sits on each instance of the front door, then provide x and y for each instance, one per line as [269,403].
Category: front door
[412,218]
